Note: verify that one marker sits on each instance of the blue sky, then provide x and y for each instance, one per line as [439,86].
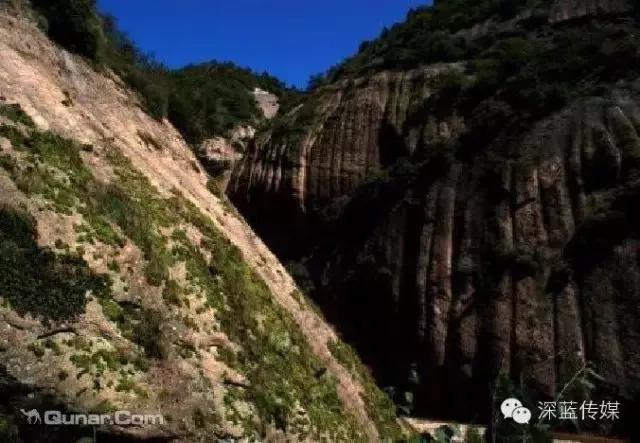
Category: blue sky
[290,39]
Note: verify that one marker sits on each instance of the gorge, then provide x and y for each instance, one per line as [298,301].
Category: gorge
[453,215]
[463,212]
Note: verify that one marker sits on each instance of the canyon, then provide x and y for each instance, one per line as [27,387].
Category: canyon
[463,259]
[127,285]
[447,218]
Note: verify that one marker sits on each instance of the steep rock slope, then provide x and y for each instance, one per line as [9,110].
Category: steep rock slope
[327,147]
[128,285]
[347,140]
[465,225]
[218,155]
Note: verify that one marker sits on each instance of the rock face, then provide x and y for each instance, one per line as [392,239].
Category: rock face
[358,130]
[439,287]
[120,218]
[563,10]
[267,102]
[355,129]
[218,155]
[463,278]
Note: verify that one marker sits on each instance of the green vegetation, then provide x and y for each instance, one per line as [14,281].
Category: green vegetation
[104,407]
[444,434]
[147,332]
[212,98]
[512,79]
[507,430]
[171,293]
[522,79]
[271,341]
[37,280]
[214,188]
[53,346]
[113,266]
[9,430]
[269,338]
[74,24]
[126,384]
[128,212]
[102,361]
[15,113]
[378,405]
[59,175]
[200,100]
[428,35]
[473,435]
[142,327]
[579,384]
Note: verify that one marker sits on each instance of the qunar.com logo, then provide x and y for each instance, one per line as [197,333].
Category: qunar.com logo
[121,418]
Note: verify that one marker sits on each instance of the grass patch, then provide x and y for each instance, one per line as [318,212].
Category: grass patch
[37,280]
[58,174]
[171,293]
[142,327]
[126,384]
[113,266]
[271,342]
[379,407]
[37,349]
[102,360]
[53,346]
[15,113]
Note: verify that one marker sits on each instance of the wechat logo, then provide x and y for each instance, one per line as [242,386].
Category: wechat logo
[512,408]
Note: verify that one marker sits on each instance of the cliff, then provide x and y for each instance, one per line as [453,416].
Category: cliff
[472,217]
[327,147]
[125,284]
[563,10]
[356,130]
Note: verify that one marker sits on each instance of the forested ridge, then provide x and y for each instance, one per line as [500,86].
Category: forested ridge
[201,101]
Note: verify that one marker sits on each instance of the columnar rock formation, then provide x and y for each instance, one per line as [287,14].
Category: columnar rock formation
[348,134]
[526,273]
[358,131]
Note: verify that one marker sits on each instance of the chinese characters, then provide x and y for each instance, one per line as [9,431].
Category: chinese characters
[572,410]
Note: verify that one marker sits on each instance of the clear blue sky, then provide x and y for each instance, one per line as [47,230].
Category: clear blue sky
[290,39]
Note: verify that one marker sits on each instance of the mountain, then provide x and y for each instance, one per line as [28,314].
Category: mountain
[126,285]
[201,101]
[215,106]
[460,199]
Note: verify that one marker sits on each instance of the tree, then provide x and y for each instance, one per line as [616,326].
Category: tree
[74,24]
[316,81]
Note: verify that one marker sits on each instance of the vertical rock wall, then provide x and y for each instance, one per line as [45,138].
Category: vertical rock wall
[468,280]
